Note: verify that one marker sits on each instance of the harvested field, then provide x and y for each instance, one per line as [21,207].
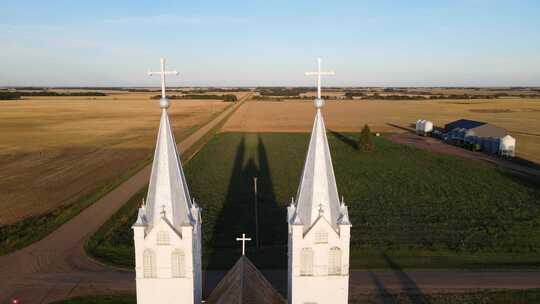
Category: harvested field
[54,150]
[520,116]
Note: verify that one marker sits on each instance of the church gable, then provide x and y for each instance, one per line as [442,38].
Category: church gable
[320,250]
[163,233]
[321,232]
[165,253]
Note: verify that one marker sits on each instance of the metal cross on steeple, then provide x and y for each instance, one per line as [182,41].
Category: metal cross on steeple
[243,239]
[319,73]
[162,73]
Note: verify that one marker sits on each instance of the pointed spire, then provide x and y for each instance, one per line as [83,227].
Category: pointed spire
[317,194]
[168,191]
[291,211]
[344,219]
[141,217]
[297,220]
[318,189]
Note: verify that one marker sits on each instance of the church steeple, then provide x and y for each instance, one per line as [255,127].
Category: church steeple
[319,226]
[317,193]
[168,191]
[167,232]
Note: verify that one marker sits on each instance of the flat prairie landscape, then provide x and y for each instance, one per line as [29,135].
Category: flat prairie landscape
[520,116]
[55,150]
[408,206]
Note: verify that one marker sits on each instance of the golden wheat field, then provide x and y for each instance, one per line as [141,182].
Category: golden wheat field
[520,116]
[54,150]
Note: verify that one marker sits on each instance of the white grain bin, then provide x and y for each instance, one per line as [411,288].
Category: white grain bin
[507,146]
[424,127]
[418,124]
[428,127]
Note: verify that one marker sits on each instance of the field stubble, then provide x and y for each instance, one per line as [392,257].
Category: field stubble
[520,116]
[55,150]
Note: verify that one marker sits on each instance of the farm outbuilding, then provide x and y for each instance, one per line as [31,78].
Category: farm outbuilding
[507,146]
[481,136]
[424,127]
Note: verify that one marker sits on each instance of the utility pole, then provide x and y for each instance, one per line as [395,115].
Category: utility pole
[257,243]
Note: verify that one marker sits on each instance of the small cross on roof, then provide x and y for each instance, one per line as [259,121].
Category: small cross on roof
[243,239]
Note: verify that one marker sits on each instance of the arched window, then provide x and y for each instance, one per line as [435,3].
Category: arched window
[334,261]
[321,237]
[149,264]
[306,262]
[178,268]
[162,238]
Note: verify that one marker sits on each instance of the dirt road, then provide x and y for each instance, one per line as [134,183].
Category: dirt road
[51,286]
[56,266]
[435,145]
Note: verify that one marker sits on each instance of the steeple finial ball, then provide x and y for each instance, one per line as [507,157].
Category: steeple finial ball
[319,103]
[164,103]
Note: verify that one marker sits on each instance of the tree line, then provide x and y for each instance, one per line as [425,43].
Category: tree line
[8,95]
[224,97]
[422,96]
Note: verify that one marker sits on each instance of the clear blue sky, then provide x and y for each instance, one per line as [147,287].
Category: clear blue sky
[228,43]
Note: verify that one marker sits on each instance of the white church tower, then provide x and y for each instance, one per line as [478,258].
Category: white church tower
[167,232]
[319,227]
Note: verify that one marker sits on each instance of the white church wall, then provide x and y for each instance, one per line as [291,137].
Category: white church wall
[323,285]
[328,290]
[165,286]
[196,246]
[165,291]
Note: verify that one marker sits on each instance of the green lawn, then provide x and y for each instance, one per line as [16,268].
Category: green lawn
[113,299]
[478,297]
[408,207]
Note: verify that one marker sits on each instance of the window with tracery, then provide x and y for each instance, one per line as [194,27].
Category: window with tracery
[163,238]
[321,237]
[149,264]
[178,264]
[334,261]
[306,262]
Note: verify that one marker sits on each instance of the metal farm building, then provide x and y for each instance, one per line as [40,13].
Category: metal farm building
[480,135]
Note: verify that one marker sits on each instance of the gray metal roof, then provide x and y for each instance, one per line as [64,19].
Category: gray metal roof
[168,190]
[463,123]
[476,128]
[318,190]
[244,284]
[488,130]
